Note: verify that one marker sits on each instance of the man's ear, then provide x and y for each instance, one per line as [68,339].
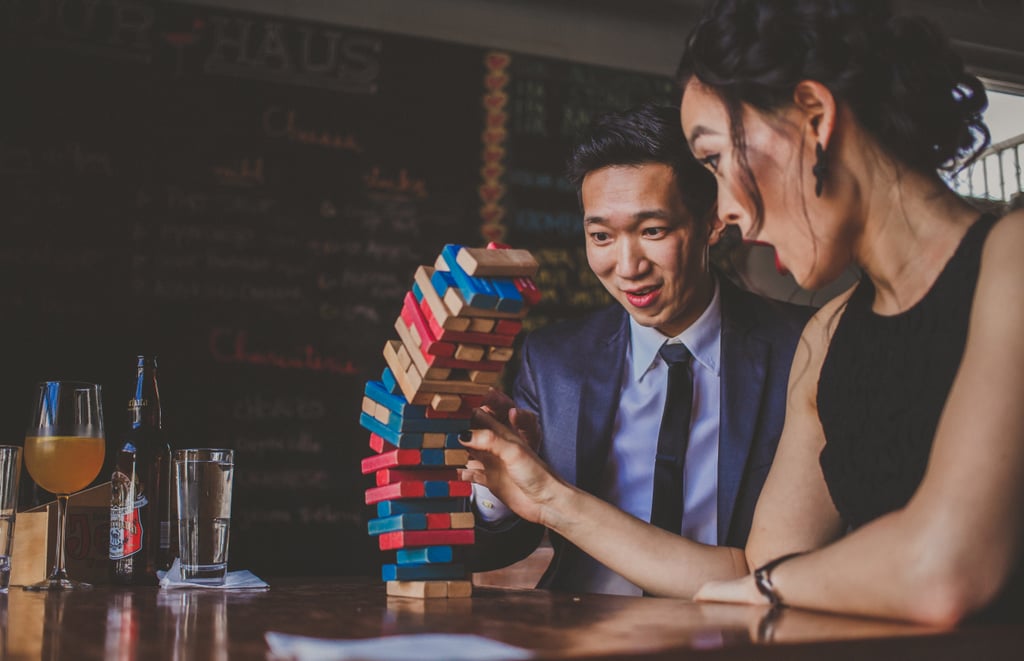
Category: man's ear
[818,106]
[716,227]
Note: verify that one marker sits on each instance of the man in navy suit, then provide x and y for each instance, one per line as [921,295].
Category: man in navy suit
[598,385]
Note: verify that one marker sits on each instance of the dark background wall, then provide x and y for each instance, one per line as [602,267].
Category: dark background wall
[248,196]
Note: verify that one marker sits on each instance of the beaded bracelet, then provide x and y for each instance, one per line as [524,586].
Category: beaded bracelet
[763,578]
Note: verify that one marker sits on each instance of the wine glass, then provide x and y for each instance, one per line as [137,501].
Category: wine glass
[64,449]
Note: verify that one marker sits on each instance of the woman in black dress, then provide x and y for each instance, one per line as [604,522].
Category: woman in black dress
[897,486]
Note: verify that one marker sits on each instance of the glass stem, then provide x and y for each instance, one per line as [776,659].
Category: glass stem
[59,572]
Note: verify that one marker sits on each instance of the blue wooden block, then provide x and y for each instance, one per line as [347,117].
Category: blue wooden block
[427,425]
[417,292]
[432,572]
[451,441]
[477,292]
[435,489]
[432,457]
[424,555]
[397,522]
[420,506]
[509,298]
[388,379]
[398,439]
[442,281]
[377,391]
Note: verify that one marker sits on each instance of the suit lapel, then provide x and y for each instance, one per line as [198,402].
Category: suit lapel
[744,367]
[598,401]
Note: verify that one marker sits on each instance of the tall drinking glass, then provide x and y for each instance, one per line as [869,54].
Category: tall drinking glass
[64,449]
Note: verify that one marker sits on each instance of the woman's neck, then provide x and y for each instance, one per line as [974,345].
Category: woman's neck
[912,226]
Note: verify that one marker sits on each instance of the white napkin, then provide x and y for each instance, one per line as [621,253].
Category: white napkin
[422,647]
[235,580]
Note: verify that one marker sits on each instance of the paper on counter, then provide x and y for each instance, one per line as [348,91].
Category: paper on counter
[422,647]
[235,580]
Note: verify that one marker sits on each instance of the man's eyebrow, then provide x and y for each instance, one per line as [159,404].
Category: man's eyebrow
[639,215]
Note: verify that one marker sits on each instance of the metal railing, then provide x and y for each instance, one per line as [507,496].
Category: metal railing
[996,176]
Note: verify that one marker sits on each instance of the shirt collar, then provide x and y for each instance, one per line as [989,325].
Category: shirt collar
[703,339]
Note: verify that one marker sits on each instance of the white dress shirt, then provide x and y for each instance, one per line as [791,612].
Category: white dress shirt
[628,481]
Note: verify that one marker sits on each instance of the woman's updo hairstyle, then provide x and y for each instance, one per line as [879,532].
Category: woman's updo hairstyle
[898,74]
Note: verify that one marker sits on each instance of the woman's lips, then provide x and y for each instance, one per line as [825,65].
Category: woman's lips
[642,298]
[779,266]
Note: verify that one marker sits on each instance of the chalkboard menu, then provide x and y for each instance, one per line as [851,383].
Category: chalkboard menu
[248,197]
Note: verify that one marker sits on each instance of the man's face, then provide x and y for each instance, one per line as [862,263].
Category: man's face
[644,246]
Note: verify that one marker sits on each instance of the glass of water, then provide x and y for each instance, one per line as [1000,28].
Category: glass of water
[10,470]
[203,477]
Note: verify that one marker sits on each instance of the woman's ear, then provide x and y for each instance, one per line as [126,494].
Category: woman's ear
[818,106]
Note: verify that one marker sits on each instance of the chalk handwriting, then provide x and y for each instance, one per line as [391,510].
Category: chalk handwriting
[231,346]
[402,183]
[279,123]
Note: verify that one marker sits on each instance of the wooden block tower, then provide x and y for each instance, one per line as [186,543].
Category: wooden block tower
[456,331]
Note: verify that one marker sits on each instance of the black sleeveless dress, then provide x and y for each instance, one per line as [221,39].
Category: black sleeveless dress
[883,386]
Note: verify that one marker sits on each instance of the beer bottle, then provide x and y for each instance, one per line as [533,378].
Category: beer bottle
[140,503]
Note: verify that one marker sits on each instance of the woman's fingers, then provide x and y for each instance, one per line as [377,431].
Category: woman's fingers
[525,422]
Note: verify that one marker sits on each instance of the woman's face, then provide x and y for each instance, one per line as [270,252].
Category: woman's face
[780,154]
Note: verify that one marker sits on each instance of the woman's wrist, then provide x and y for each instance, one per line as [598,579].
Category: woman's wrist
[556,510]
[764,582]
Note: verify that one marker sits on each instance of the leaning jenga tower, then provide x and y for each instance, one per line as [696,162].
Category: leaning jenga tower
[456,331]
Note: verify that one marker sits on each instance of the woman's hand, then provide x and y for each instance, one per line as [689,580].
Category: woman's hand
[504,462]
[741,590]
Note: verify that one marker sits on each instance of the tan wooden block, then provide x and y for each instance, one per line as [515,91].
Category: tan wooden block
[404,357]
[486,378]
[409,389]
[432,375]
[488,263]
[460,589]
[470,352]
[369,407]
[500,354]
[418,589]
[463,520]
[456,457]
[445,318]
[445,402]
[382,413]
[440,264]
[434,440]
[415,356]
[453,299]
[418,385]
[414,335]
[481,324]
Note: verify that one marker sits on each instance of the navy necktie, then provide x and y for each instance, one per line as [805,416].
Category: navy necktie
[673,438]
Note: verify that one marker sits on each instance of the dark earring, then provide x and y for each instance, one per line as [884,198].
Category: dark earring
[820,169]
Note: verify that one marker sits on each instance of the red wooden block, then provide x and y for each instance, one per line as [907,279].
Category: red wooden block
[390,459]
[401,539]
[507,327]
[528,290]
[378,444]
[464,413]
[439,521]
[459,489]
[392,475]
[411,489]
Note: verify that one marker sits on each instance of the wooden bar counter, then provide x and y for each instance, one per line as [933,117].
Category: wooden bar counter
[148,623]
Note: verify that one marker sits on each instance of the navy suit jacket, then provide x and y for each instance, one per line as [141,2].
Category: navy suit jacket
[570,375]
